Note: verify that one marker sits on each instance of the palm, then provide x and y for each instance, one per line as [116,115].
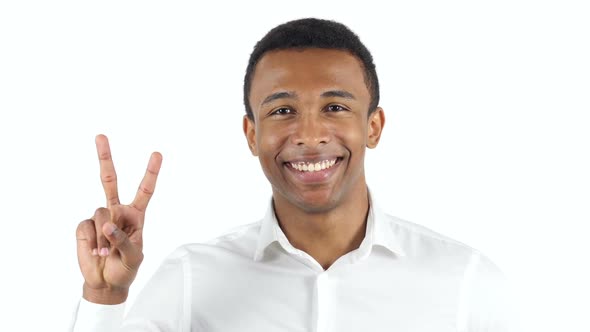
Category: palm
[119,268]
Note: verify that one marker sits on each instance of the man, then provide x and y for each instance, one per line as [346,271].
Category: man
[325,257]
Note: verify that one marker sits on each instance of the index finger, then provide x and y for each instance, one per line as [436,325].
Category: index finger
[148,184]
[108,176]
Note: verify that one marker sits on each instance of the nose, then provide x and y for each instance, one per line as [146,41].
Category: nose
[310,131]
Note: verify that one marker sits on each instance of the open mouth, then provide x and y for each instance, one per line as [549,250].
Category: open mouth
[315,166]
[315,170]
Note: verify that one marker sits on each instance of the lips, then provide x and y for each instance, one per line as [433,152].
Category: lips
[315,170]
[313,166]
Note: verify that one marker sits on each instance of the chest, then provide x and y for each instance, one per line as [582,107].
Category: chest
[388,299]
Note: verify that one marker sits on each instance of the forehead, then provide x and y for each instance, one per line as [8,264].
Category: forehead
[309,71]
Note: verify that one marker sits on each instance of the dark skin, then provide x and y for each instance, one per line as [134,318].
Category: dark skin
[110,244]
[317,110]
[320,115]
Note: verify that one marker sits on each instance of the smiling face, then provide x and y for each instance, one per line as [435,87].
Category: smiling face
[311,126]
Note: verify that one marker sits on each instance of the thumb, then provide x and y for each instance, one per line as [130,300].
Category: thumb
[118,239]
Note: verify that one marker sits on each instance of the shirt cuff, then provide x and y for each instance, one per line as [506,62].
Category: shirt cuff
[93,317]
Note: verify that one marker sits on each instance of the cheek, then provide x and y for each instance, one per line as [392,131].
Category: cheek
[354,137]
[270,141]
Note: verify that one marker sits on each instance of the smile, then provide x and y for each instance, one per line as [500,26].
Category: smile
[313,166]
[314,171]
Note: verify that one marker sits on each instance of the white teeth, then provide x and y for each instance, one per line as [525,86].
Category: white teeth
[313,167]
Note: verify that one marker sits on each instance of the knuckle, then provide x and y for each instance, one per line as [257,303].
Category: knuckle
[105,155]
[113,200]
[85,229]
[146,190]
[101,215]
[107,178]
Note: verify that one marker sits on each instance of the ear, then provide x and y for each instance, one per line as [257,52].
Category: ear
[375,127]
[250,132]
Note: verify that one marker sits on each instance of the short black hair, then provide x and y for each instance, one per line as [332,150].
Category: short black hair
[313,33]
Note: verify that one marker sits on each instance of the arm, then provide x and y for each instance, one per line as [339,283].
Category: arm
[110,244]
[163,305]
[485,301]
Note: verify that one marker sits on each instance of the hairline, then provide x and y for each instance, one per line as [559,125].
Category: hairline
[359,60]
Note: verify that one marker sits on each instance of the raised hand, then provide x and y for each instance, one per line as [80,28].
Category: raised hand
[110,243]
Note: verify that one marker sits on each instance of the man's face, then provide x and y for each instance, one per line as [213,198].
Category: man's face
[311,125]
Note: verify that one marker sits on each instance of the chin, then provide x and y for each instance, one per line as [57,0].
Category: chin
[316,201]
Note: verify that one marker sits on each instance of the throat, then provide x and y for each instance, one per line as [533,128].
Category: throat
[325,237]
[326,234]
[328,248]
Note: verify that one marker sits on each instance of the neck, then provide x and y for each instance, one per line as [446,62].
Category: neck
[326,235]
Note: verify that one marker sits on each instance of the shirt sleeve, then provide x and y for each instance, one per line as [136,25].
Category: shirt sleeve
[92,317]
[163,305]
[485,302]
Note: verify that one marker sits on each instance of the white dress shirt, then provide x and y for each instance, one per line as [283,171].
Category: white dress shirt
[403,277]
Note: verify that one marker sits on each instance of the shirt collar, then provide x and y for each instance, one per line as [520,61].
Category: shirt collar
[379,231]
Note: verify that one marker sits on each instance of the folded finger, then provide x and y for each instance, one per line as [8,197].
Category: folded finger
[86,238]
[101,216]
[131,254]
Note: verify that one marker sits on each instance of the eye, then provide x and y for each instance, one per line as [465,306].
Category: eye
[282,111]
[335,108]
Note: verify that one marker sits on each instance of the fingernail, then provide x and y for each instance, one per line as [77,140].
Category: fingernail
[110,228]
[94,252]
[104,251]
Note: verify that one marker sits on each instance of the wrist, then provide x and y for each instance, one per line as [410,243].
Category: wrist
[107,295]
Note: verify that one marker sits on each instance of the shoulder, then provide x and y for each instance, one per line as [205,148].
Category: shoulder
[240,240]
[433,247]
[411,231]
[420,241]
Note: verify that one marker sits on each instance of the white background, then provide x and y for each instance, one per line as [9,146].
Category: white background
[486,140]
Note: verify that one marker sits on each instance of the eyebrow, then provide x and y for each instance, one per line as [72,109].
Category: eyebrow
[338,93]
[279,95]
[293,95]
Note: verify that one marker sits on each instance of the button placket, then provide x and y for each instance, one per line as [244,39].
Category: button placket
[324,300]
